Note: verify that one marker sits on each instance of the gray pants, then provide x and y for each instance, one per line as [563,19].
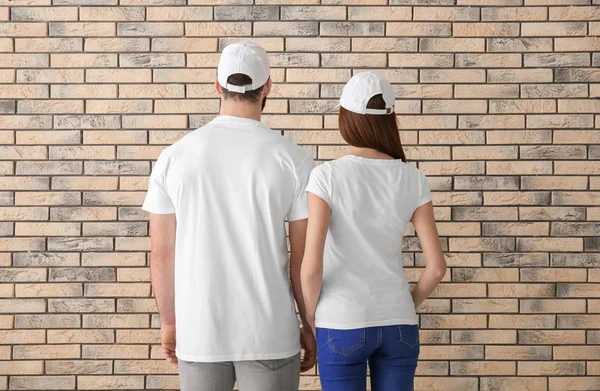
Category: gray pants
[261,375]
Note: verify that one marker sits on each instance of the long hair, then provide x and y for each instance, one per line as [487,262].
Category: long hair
[378,132]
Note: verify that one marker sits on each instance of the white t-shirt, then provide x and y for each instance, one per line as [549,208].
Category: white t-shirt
[371,201]
[232,183]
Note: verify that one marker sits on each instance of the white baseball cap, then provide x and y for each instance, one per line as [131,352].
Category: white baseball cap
[246,58]
[361,88]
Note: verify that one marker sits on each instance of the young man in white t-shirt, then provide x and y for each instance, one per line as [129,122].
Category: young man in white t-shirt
[218,200]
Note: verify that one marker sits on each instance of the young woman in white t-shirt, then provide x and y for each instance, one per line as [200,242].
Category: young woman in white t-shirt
[358,300]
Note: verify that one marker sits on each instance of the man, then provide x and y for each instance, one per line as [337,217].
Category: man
[218,200]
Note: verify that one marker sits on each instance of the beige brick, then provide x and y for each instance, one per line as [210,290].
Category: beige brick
[452,44]
[50,106]
[218,29]
[110,382]
[46,321]
[574,13]
[22,368]
[184,44]
[557,2]
[52,290]
[451,352]
[482,244]
[519,44]
[354,60]
[484,337]
[138,336]
[158,60]
[80,336]
[84,183]
[523,106]
[484,305]
[488,60]
[587,44]
[556,60]
[551,368]
[521,322]
[48,44]
[445,13]
[485,30]
[117,44]
[117,14]
[516,198]
[64,60]
[513,13]
[114,351]
[43,14]
[23,29]
[83,91]
[151,91]
[485,152]
[24,91]
[552,306]
[378,13]
[25,352]
[351,28]
[483,368]
[81,29]
[116,321]
[450,137]
[453,321]
[178,13]
[49,76]
[519,167]
[486,91]
[129,29]
[549,244]
[491,121]
[46,229]
[554,29]
[520,76]
[78,367]
[551,336]
[452,76]
[419,29]
[384,45]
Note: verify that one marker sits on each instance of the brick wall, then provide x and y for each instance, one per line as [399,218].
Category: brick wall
[497,104]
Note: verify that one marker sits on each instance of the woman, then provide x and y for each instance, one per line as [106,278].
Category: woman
[354,286]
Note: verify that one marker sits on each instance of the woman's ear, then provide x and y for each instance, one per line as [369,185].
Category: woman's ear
[218,87]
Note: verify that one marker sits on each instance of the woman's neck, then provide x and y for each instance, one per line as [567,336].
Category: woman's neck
[369,153]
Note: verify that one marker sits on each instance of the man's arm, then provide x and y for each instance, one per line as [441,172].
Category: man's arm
[312,267]
[162,273]
[297,240]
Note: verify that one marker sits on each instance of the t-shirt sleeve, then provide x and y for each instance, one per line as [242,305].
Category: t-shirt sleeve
[299,210]
[318,184]
[425,193]
[157,200]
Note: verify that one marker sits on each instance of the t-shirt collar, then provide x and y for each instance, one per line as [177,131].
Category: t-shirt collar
[239,121]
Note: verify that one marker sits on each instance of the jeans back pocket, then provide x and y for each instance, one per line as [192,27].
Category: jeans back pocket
[409,334]
[346,341]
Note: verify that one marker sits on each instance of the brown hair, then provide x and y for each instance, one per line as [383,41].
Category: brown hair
[378,132]
[239,79]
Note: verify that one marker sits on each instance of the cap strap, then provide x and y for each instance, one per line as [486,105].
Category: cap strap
[388,110]
[240,89]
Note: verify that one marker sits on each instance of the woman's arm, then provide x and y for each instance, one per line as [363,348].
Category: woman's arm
[435,264]
[312,265]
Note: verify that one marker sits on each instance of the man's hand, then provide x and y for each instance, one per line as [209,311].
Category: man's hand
[309,344]
[167,340]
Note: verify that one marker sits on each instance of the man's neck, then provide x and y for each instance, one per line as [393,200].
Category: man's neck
[241,109]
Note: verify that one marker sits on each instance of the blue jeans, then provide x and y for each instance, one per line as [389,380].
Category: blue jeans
[392,353]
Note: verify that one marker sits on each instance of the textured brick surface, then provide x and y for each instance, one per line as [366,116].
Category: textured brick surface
[497,104]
